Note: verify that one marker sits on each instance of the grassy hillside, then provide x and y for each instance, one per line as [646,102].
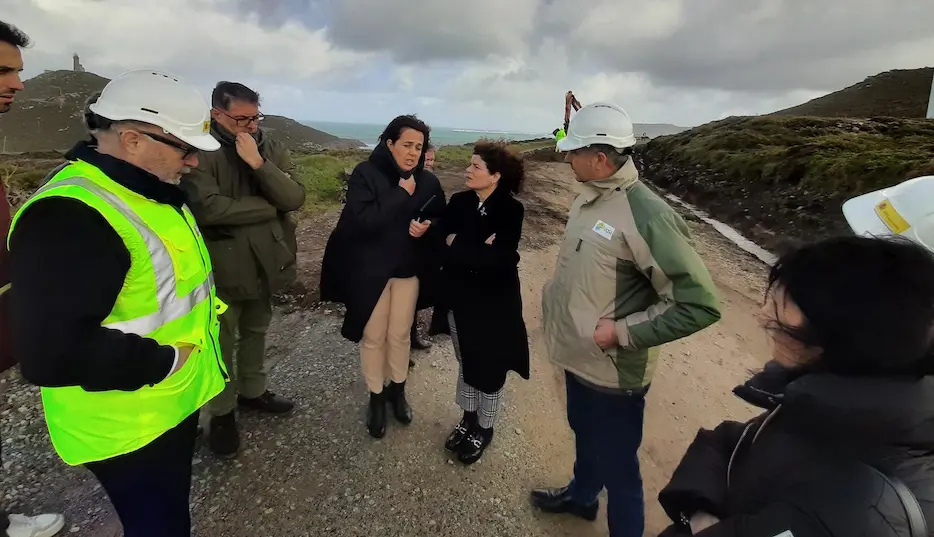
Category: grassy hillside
[898,93]
[323,173]
[48,114]
[788,175]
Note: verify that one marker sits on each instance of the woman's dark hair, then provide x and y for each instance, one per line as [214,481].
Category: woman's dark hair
[393,131]
[504,161]
[868,304]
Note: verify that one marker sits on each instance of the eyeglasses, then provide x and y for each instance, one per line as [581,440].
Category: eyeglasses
[245,121]
[187,150]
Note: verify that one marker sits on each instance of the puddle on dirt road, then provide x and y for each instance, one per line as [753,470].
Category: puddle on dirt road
[734,236]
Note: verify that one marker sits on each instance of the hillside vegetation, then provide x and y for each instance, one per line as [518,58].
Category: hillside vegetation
[323,173]
[48,116]
[898,93]
[786,177]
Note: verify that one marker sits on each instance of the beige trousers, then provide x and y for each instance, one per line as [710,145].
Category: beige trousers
[384,351]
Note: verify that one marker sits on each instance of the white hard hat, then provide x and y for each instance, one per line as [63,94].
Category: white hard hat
[162,100]
[599,123]
[906,209]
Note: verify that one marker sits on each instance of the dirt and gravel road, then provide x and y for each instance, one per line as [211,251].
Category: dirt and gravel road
[317,472]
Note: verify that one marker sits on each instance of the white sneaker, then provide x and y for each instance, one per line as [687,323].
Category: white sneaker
[35,526]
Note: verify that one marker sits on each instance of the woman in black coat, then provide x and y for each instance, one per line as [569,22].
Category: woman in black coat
[385,243]
[845,446]
[481,304]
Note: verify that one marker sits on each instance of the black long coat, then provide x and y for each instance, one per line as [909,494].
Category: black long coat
[480,285]
[812,465]
[372,238]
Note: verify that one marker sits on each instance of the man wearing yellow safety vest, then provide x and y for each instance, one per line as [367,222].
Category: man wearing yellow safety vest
[113,301]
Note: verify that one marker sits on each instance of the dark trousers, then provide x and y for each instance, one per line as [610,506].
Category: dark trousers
[149,487]
[608,431]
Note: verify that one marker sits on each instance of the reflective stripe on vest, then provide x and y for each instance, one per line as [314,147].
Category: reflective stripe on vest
[171,306]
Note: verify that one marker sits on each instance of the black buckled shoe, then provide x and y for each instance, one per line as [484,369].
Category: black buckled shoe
[559,501]
[400,407]
[223,437]
[268,402]
[458,435]
[376,415]
[472,448]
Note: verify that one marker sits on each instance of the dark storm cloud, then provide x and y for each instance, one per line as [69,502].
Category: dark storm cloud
[424,31]
[737,45]
[772,45]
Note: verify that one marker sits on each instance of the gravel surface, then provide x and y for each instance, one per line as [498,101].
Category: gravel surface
[317,471]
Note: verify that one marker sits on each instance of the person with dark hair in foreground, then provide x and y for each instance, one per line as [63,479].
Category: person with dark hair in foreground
[383,246]
[12,40]
[242,196]
[481,303]
[844,445]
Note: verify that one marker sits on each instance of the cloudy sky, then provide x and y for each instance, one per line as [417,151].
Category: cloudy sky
[491,64]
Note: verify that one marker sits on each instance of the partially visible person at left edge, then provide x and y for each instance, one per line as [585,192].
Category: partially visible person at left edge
[11,64]
[242,196]
[114,306]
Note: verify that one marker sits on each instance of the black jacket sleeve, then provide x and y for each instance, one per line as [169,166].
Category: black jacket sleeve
[503,253]
[373,210]
[68,266]
[699,481]
[775,520]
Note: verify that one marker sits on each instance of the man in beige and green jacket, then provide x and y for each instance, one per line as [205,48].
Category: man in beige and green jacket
[627,281]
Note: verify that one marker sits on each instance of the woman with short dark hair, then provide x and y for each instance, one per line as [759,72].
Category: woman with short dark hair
[481,304]
[376,256]
[845,446]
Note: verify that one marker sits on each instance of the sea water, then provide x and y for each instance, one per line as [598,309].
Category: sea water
[369,134]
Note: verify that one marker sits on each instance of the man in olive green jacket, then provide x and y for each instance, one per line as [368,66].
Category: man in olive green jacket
[627,281]
[241,197]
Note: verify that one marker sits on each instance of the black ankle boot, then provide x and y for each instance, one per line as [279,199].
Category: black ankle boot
[376,415]
[400,407]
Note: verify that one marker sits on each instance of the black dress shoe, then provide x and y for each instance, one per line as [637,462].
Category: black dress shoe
[400,407]
[458,435]
[559,501]
[223,437]
[472,448]
[268,402]
[376,415]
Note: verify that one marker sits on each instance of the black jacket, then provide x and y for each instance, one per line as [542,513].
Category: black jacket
[806,466]
[371,242]
[480,285]
[68,265]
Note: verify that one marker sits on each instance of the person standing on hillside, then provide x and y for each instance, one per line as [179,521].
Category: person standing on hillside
[417,341]
[384,244]
[242,196]
[627,281]
[12,40]
[114,307]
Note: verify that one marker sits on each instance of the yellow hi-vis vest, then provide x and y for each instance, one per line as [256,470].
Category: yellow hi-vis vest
[560,135]
[168,296]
